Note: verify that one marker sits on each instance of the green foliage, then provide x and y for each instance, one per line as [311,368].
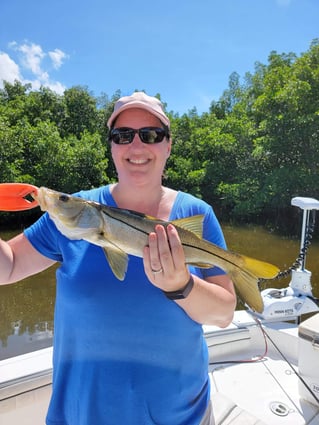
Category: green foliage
[256,147]
[278,151]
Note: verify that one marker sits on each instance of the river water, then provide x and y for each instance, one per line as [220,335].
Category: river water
[26,308]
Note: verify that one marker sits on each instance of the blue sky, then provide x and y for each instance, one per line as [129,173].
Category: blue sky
[183,49]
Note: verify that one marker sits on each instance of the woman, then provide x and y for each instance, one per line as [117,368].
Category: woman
[130,352]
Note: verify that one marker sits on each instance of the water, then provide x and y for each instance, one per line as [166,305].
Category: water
[26,308]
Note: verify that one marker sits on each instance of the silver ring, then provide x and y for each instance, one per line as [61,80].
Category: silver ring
[157,271]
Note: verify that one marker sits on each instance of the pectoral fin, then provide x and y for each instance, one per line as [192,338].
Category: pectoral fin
[117,259]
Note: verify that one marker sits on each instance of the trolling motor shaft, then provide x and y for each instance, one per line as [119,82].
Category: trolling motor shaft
[308,205]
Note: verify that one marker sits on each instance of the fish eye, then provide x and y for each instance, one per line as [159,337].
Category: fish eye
[64,198]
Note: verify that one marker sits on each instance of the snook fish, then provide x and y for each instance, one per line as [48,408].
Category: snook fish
[121,232]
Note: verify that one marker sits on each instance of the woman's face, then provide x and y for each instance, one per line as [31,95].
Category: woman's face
[138,162]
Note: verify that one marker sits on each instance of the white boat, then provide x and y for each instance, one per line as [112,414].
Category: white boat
[264,369]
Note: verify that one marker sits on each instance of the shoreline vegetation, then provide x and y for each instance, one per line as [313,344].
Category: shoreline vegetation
[254,149]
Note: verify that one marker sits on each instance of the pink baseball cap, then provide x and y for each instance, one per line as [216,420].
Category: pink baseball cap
[142,101]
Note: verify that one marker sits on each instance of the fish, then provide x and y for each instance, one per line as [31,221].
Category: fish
[122,232]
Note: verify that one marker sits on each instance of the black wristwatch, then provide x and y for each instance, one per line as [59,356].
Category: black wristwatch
[182,293]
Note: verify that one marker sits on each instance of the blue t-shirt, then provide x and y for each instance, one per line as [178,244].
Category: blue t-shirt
[123,353]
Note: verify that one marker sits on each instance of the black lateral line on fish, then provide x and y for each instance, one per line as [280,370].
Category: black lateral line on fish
[124,222]
[140,230]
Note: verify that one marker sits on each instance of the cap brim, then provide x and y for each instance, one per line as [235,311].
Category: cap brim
[140,105]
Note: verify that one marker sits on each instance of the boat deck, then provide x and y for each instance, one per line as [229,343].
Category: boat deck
[261,386]
[277,385]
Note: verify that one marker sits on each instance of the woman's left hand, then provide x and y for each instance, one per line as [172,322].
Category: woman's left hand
[164,259]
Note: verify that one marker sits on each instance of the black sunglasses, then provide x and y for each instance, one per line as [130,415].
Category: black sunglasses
[149,135]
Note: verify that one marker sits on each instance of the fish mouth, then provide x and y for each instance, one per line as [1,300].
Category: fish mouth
[48,200]
[40,197]
[62,208]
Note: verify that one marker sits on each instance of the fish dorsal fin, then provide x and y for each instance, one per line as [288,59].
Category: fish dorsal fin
[193,224]
[117,259]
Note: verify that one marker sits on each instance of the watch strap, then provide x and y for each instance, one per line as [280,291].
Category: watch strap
[182,293]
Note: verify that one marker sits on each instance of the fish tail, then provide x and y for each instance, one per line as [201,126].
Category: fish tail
[247,288]
[246,280]
[260,269]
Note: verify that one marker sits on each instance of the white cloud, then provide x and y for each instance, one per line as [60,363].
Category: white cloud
[55,86]
[31,61]
[57,57]
[9,70]
[32,56]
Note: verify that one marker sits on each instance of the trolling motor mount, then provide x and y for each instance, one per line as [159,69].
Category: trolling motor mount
[297,299]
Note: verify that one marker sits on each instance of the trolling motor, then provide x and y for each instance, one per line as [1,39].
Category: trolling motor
[297,299]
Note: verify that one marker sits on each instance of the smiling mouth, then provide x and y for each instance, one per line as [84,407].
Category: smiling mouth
[138,161]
